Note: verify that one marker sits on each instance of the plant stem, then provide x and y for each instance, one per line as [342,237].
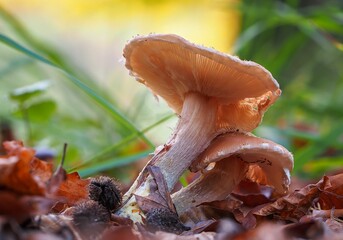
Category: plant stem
[27,123]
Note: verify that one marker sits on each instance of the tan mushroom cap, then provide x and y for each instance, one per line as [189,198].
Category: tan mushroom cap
[171,67]
[275,162]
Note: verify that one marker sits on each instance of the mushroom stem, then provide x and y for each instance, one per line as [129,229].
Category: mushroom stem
[216,184]
[194,132]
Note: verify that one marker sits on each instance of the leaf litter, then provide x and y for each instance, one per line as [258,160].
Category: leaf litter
[38,203]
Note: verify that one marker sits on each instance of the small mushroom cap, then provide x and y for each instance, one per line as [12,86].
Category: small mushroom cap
[273,160]
[171,67]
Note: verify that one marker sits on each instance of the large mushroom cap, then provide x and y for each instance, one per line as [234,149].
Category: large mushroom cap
[172,67]
[273,160]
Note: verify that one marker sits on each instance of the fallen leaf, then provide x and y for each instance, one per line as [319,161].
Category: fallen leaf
[120,232]
[253,194]
[56,180]
[20,208]
[73,189]
[312,229]
[294,205]
[331,195]
[266,231]
[161,186]
[147,204]
[22,172]
[158,197]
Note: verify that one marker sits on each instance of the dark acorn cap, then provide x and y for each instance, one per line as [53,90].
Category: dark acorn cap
[91,219]
[90,212]
[162,219]
[105,191]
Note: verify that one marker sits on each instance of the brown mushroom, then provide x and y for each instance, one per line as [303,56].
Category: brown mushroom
[212,92]
[236,156]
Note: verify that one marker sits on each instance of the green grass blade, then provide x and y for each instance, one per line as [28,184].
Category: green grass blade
[112,163]
[117,146]
[12,44]
[97,98]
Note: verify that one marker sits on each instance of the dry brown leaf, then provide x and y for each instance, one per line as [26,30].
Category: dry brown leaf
[56,180]
[266,231]
[251,208]
[332,195]
[328,192]
[295,205]
[159,197]
[312,229]
[22,172]
[120,232]
[253,194]
[73,189]
[20,208]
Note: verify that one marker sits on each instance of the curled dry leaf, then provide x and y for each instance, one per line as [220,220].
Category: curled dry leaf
[159,196]
[20,208]
[332,195]
[158,206]
[22,172]
[253,194]
[327,192]
[73,189]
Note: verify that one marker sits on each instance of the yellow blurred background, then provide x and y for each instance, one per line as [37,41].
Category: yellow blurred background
[204,21]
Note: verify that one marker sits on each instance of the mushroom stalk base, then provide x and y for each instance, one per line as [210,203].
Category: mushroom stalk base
[214,185]
[195,130]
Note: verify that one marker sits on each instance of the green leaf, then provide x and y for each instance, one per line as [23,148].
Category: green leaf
[41,112]
[24,93]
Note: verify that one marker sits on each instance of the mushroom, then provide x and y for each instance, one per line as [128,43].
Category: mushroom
[212,92]
[235,156]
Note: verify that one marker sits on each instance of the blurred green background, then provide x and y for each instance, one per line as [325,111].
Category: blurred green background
[62,77]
